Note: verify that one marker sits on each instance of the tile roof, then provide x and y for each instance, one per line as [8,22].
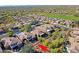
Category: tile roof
[44,48]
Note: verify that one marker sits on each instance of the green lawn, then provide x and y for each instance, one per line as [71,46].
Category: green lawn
[68,17]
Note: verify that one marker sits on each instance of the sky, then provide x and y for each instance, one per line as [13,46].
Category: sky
[38,2]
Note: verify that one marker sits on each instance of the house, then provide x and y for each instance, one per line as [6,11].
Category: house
[2,31]
[16,30]
[17,46]
[39,30]
[21,36]
[32,38]
[67,22]
[50,30]
[12,43]
[39,33]
[43,30]
[8,41]
[1,50]
[1,47]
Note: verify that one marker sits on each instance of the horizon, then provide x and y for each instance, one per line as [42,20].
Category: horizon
[37,2]
[33,5]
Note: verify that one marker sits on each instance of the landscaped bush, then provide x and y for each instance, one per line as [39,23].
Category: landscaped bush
[56,43]
[10,33]
[26,28]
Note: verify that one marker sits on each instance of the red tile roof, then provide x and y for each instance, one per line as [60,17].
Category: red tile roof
[44,48]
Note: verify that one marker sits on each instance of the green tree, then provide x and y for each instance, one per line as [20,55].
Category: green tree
[61,40]
[55,50]
[56,43]
[26,28]
[10,33]
[55,34]
[50,45]
[46,43]
[27,49]
[10,19]
[42,40]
